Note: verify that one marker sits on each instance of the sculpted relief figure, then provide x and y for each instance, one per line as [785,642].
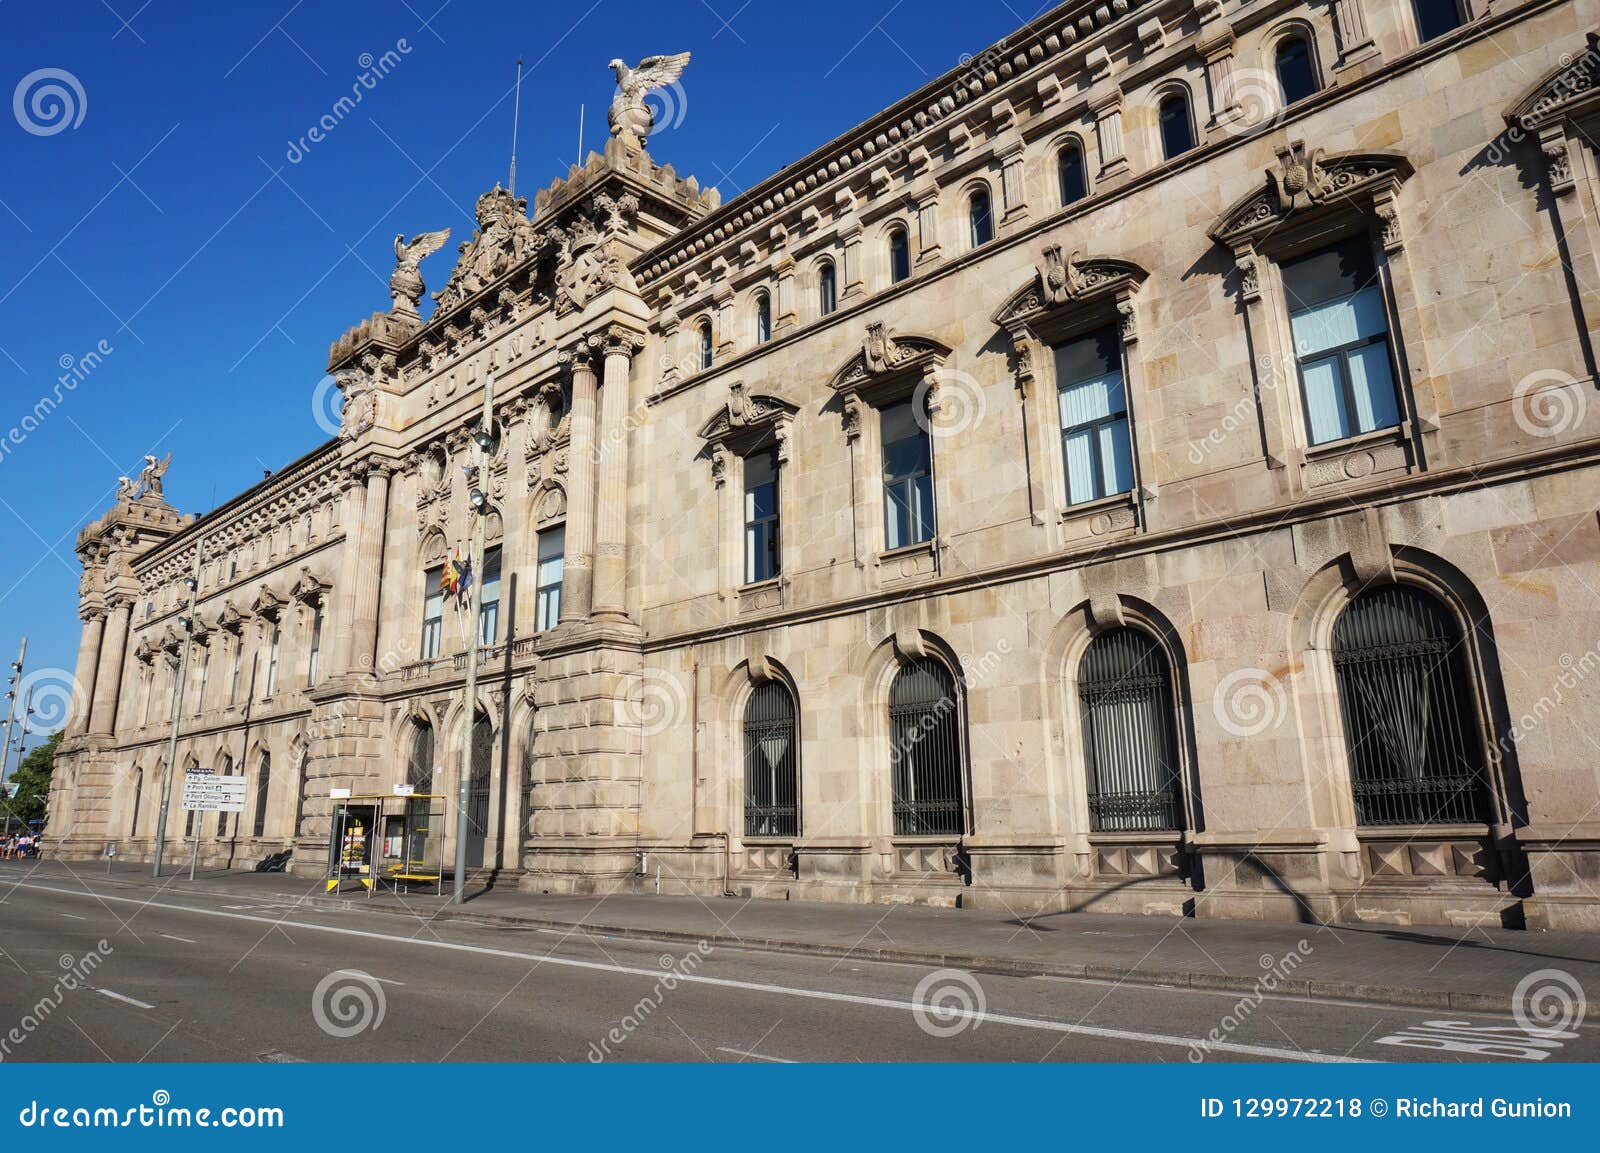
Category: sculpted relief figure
[150,477]
[405,283]
[631,119]
[504,239]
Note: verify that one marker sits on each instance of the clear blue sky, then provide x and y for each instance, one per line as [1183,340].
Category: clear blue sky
[171,223]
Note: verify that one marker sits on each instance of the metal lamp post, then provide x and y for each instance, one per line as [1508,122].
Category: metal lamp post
[479,500]
[177,709]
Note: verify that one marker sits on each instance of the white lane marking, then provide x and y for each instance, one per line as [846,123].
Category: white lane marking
[73,916]
[730,983]
[279,1057]
[368,976]
[754,1056]
[124,1000]
[175,937]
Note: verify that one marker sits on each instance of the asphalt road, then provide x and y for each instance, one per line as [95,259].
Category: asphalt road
[193,976]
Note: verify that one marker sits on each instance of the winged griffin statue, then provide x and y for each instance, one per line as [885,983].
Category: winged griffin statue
[405,283]
[149,482]
[631,119]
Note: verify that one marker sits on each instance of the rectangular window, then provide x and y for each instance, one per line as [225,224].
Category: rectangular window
[1094,416]
[907,476]
[314,659]
[272,660]
[1341,340]
[489,598]
[552,547]
[432,611]
[761,516]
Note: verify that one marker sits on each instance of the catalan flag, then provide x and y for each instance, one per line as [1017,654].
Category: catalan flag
[450,578]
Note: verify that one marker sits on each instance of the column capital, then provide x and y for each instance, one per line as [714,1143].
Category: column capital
[621,340]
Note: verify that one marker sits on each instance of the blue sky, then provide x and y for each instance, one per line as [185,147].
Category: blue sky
[174,221]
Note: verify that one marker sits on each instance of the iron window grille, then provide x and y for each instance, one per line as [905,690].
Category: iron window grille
[771,779]
[1411,732]
[1130,739]
[927,759]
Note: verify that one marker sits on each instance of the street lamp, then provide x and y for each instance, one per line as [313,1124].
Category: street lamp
[479,500]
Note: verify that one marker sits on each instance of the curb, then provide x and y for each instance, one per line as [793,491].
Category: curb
[1399,996]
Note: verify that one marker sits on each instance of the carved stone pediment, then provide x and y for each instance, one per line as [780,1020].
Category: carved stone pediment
[1570,87]
[747,416]
[886,356]
[267,604]
[1061,280]
[505,238]
[1304,180]
[308,588]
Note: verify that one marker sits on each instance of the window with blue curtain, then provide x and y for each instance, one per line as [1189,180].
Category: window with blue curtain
[1341,339]
[489,598]
[761,516]
[1094,416]
[907,477]
[432,612]
[552,554]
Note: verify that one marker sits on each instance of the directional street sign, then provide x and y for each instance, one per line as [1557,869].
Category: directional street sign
[205,792]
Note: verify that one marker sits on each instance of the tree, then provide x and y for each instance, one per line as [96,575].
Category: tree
[28,790]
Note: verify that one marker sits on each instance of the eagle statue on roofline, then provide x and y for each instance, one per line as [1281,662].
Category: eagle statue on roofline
[631,119]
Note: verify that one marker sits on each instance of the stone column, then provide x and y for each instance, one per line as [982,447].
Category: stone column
[345,586]
[94,627]
[363,622]
[108,674]
[577,581]
[611,515]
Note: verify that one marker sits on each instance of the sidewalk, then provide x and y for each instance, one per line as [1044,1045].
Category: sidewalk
[1432,967]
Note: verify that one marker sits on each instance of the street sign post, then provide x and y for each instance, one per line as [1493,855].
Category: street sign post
[205,792]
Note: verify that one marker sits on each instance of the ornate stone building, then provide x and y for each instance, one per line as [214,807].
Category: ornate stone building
[1150,468]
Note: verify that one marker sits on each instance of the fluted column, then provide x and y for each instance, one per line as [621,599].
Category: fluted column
[577,581]
[108,672]
[363,625]
[94,627]
[611,515]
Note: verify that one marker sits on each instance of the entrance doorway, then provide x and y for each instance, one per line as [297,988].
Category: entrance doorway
[478,790]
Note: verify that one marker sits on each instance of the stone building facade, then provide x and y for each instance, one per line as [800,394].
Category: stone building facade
[1151,468]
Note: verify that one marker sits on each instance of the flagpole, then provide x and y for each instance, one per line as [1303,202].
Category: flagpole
[479,502]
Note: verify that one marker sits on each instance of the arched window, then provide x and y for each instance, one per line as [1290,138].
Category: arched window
[1295,75]
[899,255]
[1177,129]
[705,344]
[138,795]
[1410,725]
[1072,174]
[827,289]
[1130,740]
[980,219]
[419,769]
[226,768]
[763,318]
[478,789]
[926,755]
[1436,17]
[263,786]
[419,775]
[771,779]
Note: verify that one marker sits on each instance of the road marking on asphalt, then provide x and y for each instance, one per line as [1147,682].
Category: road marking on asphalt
[74,916]
[907,1006]
[754,1056]
[368,976]
[175,937]
[124,1000]
[279,1057]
